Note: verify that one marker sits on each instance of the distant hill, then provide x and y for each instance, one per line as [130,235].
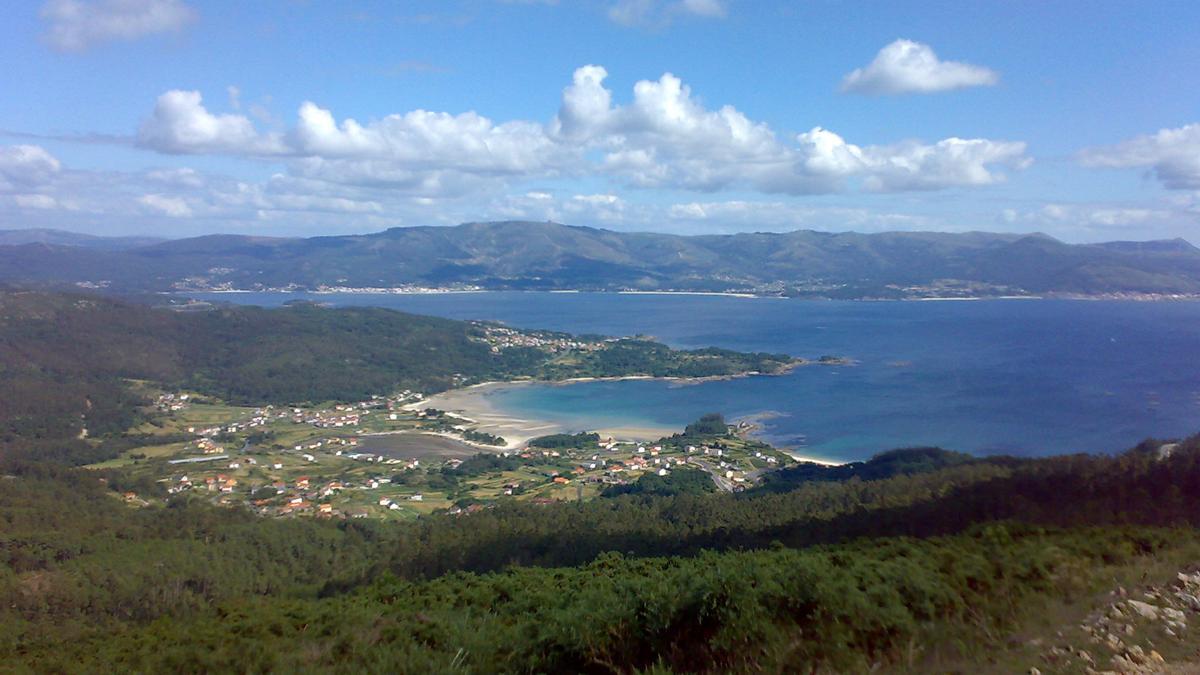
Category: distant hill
[64,238]
[547,256]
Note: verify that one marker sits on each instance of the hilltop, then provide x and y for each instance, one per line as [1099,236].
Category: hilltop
[551,256]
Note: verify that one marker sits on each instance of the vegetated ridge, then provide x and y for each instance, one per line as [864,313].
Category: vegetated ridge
[550,256]
[65,359]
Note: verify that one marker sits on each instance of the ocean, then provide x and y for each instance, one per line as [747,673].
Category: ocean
[1020,377]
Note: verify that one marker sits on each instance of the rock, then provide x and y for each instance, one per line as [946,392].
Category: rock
[1188,600]
[1114,642]
[1034,671]
[1136,655]
[1155,657]
[1173,614]
[1123,665]
[1145,610]
[1086,657]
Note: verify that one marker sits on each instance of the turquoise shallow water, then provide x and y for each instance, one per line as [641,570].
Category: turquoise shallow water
[1019,377]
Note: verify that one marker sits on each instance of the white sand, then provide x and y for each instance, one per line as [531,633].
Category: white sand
[473,404]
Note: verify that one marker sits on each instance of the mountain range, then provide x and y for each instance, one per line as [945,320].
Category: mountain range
[551,256]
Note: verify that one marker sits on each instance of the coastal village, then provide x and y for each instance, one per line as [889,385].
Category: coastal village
[390,457]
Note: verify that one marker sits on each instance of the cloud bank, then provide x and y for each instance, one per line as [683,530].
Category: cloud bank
[79,25]
[660,13]
[1172,155]
[663,138]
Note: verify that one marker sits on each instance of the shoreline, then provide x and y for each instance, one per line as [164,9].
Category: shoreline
[471,404]
[1111,297]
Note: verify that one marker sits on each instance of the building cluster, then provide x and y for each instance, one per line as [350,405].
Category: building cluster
[354,414]
[500,338]
[171,402]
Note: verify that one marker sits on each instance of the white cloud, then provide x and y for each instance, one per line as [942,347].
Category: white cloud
[41,202]
[77,25]
[1173,155]
[707,8]
[949,162]
[180,124]
[738,215]
[665,137]
[907,67]
[423,139]
[184,177]
[1092,221]
[26,166]
[660,13]
[174,207]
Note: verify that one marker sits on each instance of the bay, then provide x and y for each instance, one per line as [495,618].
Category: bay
[1021,377]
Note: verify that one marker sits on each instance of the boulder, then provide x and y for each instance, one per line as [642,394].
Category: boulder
[1144,609]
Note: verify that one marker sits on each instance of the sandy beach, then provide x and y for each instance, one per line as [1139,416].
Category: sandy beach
[474,404]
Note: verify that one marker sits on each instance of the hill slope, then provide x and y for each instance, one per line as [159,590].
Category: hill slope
[525,255]
[65,359]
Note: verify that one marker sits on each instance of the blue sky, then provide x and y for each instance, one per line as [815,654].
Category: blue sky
[183,117]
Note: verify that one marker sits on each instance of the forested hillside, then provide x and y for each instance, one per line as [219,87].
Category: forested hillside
[66,360]
[912,560]
[538,255]
[828,575]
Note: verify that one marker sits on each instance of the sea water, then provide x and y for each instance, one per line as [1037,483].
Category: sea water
[1023,377]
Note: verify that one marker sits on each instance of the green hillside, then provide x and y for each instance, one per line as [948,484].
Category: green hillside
[67,360]
[527,255]
[845,576]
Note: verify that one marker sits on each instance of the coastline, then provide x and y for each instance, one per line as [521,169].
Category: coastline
[471,404]
[1131,296]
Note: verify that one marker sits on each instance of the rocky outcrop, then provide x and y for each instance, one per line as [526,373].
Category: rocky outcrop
[1122,633]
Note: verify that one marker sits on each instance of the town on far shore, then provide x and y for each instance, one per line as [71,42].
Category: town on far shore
[393,457]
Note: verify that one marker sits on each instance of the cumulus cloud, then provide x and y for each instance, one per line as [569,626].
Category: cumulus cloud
[77,25]
[468,142]
[665,137]
[907,67]
[659,13]
[180,124]
[26,166]
[1173,155]
[949,162]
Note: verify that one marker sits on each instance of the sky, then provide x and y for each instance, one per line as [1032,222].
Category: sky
[178,118]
